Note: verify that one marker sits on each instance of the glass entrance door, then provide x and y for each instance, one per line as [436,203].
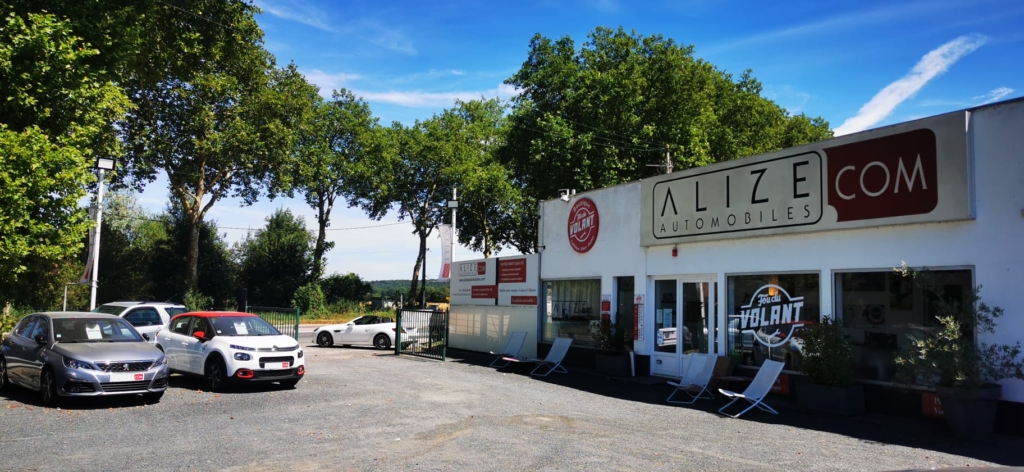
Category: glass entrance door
[684,323]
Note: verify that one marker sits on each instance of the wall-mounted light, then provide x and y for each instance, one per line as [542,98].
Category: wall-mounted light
[105,163]
[565,194]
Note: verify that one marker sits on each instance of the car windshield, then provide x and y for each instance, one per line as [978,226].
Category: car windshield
[109,309]
[242,326]
[93,330]
[172,312]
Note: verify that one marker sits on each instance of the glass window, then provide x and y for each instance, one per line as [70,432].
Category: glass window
[172,312]
[202,325]
[86,330]
[665,316]
[765,315]
[243,326]
[573,310]
[879,310]
[25,327]
[181,325]
[143,317]
[39,327]
[109,309]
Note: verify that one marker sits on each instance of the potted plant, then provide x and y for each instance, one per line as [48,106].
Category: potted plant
[609,360]
[826,360]
[951,360]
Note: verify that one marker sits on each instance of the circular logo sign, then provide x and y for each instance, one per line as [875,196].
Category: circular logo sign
[772,316]
[583,225]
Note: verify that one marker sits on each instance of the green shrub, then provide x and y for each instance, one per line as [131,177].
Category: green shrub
[826,355]
[195,301]
[309,298]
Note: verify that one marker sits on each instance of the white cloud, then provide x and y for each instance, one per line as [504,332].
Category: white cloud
[329,82]
[418,99]
[993,96]
[297,10]
[930,66]
[379,35]
[787,97]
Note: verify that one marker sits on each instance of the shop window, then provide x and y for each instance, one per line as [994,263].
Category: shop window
[880,310]
[573,310]
[765,314]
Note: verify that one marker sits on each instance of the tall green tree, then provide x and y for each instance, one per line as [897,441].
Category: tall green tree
[170,265]
[337,132]
[56,116]
[414,174]
[615,109]
[337,287]
[276,260]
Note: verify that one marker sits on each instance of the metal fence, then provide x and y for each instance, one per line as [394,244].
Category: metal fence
[286,320]
[422,333]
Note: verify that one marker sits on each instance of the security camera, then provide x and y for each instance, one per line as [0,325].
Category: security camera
[564,197]
[563,194]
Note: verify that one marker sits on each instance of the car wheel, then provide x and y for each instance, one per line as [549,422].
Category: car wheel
[215,375]
[48,388]
[324,339]
[289,383]
[152,397]
[3,373]
[382,341]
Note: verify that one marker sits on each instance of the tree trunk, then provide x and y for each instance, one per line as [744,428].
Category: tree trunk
[318,252]
[192,277]
[416,270]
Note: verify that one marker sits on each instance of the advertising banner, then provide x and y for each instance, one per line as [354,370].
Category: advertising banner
[913,172]
[505,281]
[445,232]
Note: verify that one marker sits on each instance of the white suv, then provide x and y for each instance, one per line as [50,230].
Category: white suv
[147,317]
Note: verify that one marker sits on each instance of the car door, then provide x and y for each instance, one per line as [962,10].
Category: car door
[347,333]
[34,360]
[17,349]
[174,342]
[195,349]
[366,331]
[145,320]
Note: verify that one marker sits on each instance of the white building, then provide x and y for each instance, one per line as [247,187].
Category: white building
[729,258]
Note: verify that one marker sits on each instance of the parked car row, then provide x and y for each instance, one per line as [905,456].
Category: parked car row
[377,331]
[79,354]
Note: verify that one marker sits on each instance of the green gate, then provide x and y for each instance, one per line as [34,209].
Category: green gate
[286,320]
[422,333]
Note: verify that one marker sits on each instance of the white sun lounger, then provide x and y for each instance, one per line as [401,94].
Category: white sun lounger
[698,376]
[757,390]
[553,361]
[515,344]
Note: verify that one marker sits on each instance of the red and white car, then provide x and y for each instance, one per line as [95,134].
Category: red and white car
[226,347]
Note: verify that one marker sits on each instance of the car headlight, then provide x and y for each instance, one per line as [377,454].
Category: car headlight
[300,353]
[77,364]
[159,362]
[241,356]
[242,348]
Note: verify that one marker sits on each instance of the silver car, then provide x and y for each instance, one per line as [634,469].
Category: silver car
[71,354]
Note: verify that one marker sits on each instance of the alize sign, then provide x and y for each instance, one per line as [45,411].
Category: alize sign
[911,173]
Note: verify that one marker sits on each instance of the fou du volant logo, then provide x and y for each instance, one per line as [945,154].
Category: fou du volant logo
[772,316]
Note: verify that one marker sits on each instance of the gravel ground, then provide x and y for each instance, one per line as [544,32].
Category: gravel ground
[361,409]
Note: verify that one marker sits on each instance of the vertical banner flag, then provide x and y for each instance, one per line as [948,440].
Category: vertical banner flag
[446,252]
[87,274]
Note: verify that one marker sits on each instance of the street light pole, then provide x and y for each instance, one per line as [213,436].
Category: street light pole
[96,241]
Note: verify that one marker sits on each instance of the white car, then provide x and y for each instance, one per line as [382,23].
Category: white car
[146,317]
[378,331]
[228,347]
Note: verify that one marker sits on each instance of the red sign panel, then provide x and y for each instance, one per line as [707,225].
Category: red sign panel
[781,385]
[880,178]
[511,271]
[583,225]
[524,300]
[140,376]
[931,406]
[447,273]
[484,291]
[606,305]
[481,268]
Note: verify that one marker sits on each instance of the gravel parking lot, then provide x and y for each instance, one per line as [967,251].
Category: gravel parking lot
[361,409]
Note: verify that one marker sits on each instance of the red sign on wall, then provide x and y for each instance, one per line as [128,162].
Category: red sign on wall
[931,406]
[781,386]
[484,291]
[512,271]
[880,178]
[524,300]
[584,223]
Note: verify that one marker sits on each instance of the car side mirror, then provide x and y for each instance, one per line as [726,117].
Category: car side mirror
[145,336]
[40,339]
[199,335]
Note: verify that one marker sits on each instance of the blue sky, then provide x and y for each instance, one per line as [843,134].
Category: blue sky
[858,64]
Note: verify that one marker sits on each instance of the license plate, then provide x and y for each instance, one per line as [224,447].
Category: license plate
[127,377]
[276,365]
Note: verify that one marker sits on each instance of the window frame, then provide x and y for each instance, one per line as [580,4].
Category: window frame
[188,326]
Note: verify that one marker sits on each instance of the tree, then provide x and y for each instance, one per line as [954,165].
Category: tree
[56,116]
[336,133]
[169,268]
[612,111]
[129,239]
[337,287]
[414,173]
[276,260]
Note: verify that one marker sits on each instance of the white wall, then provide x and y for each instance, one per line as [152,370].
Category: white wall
[487,328]
[993,244]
